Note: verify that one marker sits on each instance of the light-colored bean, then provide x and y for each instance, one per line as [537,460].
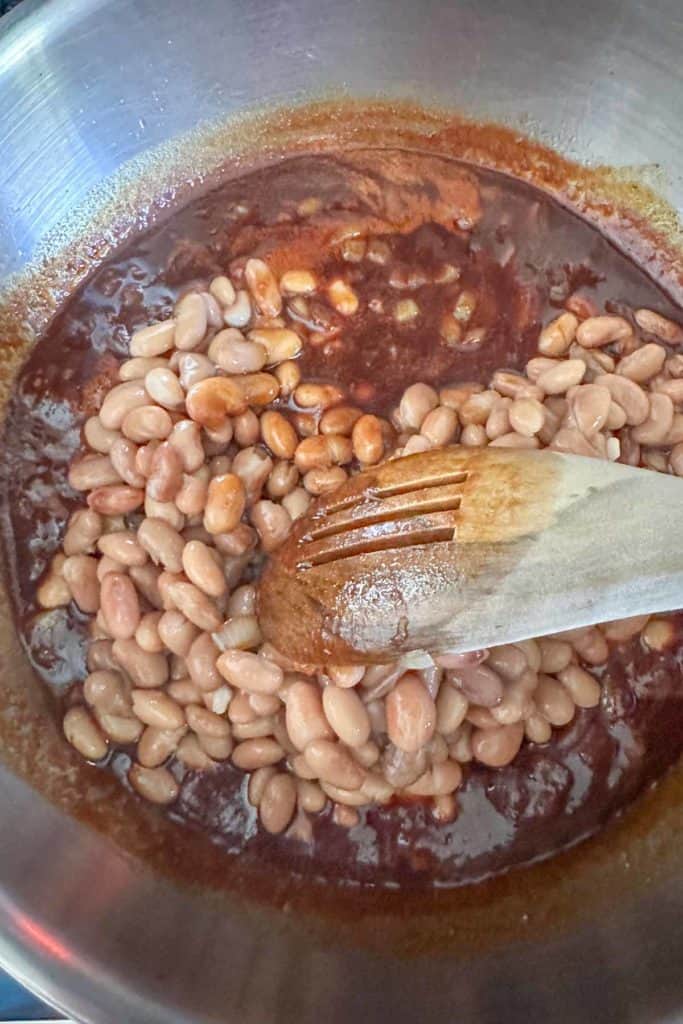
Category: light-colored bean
[527,416]
[83,733]
[347,715]
[194,604]
[304,716]
[138,367]
[106,691]
[498,422]
[320,481]
[272,522]
[153,340]
[654,323]
[234,354]
[498,746]
[156,745]
[298,282]
[154,784]
[411,714]
[537,728]
[203,567]
[590,406]
[80,573]
[597,331]
[190,754]
[591,646]
[629,396]
[557,336]
[97,436]
[194,367]
[473,436]
[451,708]
[191,322]
[121,400]
[555,655]
[367,438]
[92,471]
[280,343]
[239,313]
[558,380]
[120,605]
[146,423]
[166,476]
[479,683]
[145,669]
[643,364]
[147,633]
[154,707]
[283,478]
[184,692]
[250,672]
[257,753]
[417,401]
[514,385]
[438,781]
[242,600]
[263,287]
[278,434]
[186,439]
[657,427]
[85,528]
[333,764]
[278,803]
[162,542]
[222,289]
[257,784]
[554,701]
[201,663]
[659,635]
[164,387]
[124,457]
[205,722]
[583,687]
[122,547]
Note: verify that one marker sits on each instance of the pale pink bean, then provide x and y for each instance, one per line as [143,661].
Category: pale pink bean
[411,714]
[83,734]
[333,764]
[555,655]
[498,422]
[242,600]
[418,400]
[203,567]
[186,438]
[92,471]
[123,455]
[153,340]
[80,573]
[538,365]
[554,701]
[527,416]
[206,723]
[278,803]
[120,605]
[194,604]
[537,728]
[304,716]
[146,579]
[139,367]
[591,646]
[616,417]
[451,708]
[240,632]
[201,663]
[257,784]
[246,428]
[508,660]
[184,692]
[164,387]
[156,708]
[655,323]
[263,287]
[166,477]
[259,752]
[657,427]
[147,633]
[272,523]
[145,669]
[122,547]
[659,634]
[154,784]
[146,423]
[480,684]
[643,364]
[473,436]
[602,330]
[222,289]
[514,385]
[629,396]
[590,405]
[177,632]
[121,400]
[441,779]
[156,745]
[85,528]
[560,378]
[163,544]
[583,687]
[250,672]
[107,565]
[193,492]
[190,754]
[97,436]
[498,746]
[297,503]
[557,336]
[440,426]
[346,714]
[191,321]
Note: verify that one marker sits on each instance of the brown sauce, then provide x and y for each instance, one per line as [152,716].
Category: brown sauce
[524,256]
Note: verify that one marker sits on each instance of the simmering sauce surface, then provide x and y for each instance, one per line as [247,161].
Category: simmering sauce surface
[523,258]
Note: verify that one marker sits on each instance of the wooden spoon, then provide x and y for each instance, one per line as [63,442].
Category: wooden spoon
[458,549]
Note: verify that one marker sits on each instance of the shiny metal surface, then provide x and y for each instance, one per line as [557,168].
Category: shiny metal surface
[87,85]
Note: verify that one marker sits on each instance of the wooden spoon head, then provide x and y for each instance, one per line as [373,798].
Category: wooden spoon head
[381,565]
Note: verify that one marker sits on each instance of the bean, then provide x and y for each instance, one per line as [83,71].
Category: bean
[583,688]
[272,523]
[153,340]
[440,426]
[514,385]
[210,401]
[257,784]
[288,376]
[154,784]
[367,438]
[202,566]
[480,684]
[537,728]
[242,600]
[591,646]
[156,745]
[298,282]
[190,754]
[557,336]
[527,416]
[106,691]
[623,629]
[166,477]
[282,480]
[672,388]
[164,387]
[258,729]
[122,547]
[278,434]
[498,746]
[347,715]
[214,313]
[156,708]
[320,481]
[115,500]
[162,542]
[263,287]
[184,692]
[602,330]
[676,459]
[342,297]
[124,457]
[296,503]
[250,672]
[657,427]
[238,314]
[121,400]
[440,780]
[80,573]
[279,343]
[643,364]
[53,592]
[655,323]
[145,578]
[473,436]
[537,366]
[659,634]
[234,354]
[339,420]
[194,367]
[560,378]
[83,734]
[451,708]
[237,542]
[222,289]
[310,796]
[147,633]
[411,714]
[555,655]
[92,471]
[304,717]
[97,436]
[278,803]
[317,396]
[346,675]
[417,401]
[498,422]
[85,528]
[186,439]
[139,367]
[590,406]
[194,604]
[146,423]
[257,753]
[554,701]
[145,669]
[191,321]
[201,663]
[120,605]
[333,764]
[206,723]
